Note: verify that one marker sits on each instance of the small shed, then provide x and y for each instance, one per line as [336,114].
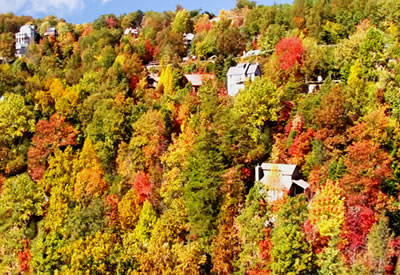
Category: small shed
[197,80]
[152,80]
[315,85]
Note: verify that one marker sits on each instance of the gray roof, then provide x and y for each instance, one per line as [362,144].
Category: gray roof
[243,68]
[235,70]
[195,79]
[303,184]
[252,69]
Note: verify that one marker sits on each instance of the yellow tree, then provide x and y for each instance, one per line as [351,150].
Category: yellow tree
[166,80]
[90,181]
[327,209]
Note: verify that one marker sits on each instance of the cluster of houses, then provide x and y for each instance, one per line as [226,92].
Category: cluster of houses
[28,34]
[281,179]
[236,76]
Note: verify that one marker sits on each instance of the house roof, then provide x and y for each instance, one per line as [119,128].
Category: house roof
[303,184]
[284,169]
[252,53]
[188,36]
[252,69]
[131,30]
[197,79]
[51,31]
[243,68]
[27,28]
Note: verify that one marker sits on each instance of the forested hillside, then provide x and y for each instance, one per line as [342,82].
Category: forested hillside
[102,171]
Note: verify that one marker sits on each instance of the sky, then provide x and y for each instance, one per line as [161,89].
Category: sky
[81,11]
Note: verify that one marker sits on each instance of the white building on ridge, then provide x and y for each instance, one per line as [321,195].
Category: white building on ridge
[237,75]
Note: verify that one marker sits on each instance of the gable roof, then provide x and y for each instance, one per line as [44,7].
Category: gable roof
[197,79]
[243,69]
[252,69]
[131,30]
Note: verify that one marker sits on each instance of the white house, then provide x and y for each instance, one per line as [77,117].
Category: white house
[26,35]
[280,179]
[188,39]
[237,75]
[132,31]
[314,86]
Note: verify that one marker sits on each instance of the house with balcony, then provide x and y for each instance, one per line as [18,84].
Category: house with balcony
[238,75]
[27,34]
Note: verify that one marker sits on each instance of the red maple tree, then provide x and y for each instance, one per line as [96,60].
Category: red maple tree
[142,186]
[289,51]
[24,258]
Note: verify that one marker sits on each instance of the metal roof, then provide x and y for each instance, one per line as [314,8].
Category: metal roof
[198,79]
[195,79]
[252,69]
[243,69]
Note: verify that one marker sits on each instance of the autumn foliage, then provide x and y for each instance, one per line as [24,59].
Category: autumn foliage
[50,135]
[24,258]
[290,52]
[113,162]
[142,186]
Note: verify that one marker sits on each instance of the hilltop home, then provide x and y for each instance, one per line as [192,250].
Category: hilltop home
[131,31]
[52,31]
[237,75]
[188,39]
[27,34]
[281,179]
